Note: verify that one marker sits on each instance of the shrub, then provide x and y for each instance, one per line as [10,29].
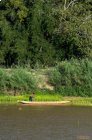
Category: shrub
[16,80]
[75,77]
[54,77]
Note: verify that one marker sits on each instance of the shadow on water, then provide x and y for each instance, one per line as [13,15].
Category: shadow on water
[45,123]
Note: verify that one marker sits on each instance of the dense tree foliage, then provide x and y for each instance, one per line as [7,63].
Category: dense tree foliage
[44,31]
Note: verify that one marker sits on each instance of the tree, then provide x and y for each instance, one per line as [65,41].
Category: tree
[44,32]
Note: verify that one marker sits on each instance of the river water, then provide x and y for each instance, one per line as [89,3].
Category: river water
[45,123]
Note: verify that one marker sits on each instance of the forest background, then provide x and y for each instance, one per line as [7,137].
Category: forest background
[54,35]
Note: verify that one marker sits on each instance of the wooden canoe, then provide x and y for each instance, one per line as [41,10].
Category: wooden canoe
[44,102]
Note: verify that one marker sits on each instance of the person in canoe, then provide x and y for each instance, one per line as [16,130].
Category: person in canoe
[31,97]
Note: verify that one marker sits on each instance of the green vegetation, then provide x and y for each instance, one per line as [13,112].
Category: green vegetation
[12,99]
[72,78]
[74,101]
[68,78]
[48,97]
[46,45]
[38,97]
[41,32]
[16,80]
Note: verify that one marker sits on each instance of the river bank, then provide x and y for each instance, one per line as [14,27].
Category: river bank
[38,97]
[74,101]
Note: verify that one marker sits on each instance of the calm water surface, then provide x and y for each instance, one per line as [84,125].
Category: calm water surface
[45,123]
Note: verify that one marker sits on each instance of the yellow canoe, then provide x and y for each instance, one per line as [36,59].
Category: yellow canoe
[44,102]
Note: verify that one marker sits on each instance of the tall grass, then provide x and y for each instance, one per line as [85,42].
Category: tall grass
[16,80]
[48,97]
[12,99]
[72,77]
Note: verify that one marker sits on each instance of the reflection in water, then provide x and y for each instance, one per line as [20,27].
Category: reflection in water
[45,123]
[83,137]
[20,108]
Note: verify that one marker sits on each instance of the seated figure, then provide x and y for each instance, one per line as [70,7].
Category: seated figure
[31,97]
